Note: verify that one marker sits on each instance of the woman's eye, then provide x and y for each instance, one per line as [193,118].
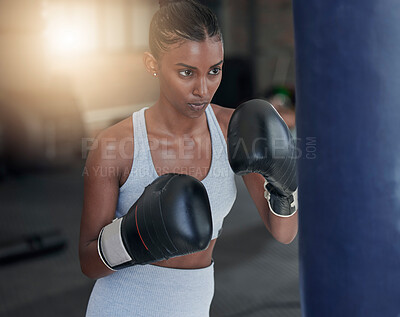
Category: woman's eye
[215,71]
[186,73]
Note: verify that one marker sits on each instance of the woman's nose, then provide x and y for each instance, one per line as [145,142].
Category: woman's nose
[200,88]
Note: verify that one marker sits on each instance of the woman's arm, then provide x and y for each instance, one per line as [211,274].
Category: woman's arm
[283,229]
[101,188]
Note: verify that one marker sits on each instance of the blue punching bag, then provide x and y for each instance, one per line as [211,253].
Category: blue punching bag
[348,129]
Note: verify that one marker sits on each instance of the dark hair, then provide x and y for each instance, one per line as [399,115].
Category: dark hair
[177,21]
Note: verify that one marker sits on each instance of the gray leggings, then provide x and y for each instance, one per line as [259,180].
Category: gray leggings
[149,290]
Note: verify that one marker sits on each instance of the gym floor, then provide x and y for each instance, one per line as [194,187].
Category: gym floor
[254,274]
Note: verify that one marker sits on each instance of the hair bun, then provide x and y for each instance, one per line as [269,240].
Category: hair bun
[165,2]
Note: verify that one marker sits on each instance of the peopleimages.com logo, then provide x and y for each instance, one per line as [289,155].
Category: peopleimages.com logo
[189,148]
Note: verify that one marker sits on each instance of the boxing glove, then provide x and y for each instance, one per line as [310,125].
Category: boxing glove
[259,141]
[171,218]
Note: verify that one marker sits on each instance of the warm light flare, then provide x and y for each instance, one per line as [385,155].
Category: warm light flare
[66,40]
[70,30]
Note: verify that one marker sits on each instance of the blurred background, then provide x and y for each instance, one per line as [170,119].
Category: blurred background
[70,68]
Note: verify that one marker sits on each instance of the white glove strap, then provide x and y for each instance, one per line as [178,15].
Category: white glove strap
[111,245]
[267,196]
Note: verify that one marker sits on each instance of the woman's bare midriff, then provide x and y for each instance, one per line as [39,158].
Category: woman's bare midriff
[196,260]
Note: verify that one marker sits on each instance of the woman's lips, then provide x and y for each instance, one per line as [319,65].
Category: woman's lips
[197,106]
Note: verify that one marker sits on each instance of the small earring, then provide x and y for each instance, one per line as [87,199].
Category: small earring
[155,74]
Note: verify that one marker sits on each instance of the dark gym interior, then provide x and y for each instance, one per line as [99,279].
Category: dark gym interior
[70,69]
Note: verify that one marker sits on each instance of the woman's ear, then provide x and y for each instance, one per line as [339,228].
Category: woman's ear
[150,63]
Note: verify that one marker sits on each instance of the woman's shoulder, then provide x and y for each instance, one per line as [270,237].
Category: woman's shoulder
[118,131]
[113,146]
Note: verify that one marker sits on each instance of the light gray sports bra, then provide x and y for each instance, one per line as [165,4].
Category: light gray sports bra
[219,182]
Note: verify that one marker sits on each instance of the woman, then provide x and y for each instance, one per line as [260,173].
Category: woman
[181,133]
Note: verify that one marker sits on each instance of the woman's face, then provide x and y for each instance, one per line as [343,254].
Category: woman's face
[190,74]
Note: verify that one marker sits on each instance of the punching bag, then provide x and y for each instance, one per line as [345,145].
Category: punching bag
[348,129]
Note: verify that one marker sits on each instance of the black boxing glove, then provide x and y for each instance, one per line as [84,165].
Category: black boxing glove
[259,141]
[171,218]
